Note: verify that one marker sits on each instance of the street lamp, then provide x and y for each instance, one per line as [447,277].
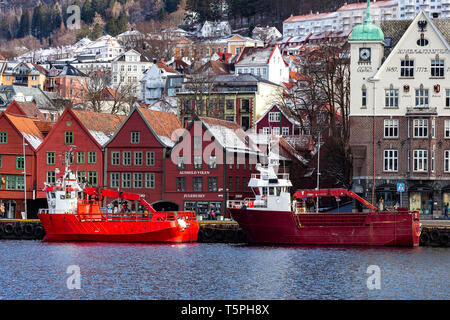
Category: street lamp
[24,177]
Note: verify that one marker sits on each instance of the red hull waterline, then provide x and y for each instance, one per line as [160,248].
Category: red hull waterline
[362,229]
[73,227]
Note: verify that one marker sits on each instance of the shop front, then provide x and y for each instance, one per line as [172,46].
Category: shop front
[421,199]
[206,209]
[389,194]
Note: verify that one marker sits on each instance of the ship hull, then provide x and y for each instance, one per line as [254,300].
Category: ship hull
[69,227]
[362,229]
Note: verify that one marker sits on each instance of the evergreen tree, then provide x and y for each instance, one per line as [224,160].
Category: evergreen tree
[171,5]
[87,12]
[24,25]
[4,29]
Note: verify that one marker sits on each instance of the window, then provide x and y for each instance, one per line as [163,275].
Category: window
[92,157]
[421,97]
[391,128]
[80,157]
[50,158]
[285,131]
[20,162]
[407,68]
[81,176]
[92,178]
[114,180]
[14,182]
[181,163]
[437,68]
[390,160]
[230,184]
[391,97]
[51,177]
[364,97]
[138,158]
[198,162]
[447,161]
[68,137]
[420,160]
[181,184]
[150,158]
[137,180]
[447,128]
[266,130]
[197,143]
[3,137]
[197,184]
[276,131]
[115,158]
[126,158]
[212,162]
[238,184]
[447,97]
[420,127]
[126,180]
[212,183]
[150,180]
[274,116]
[245,105]
[229,104]
[135,137]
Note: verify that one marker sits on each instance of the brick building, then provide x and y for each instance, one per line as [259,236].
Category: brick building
[399,117]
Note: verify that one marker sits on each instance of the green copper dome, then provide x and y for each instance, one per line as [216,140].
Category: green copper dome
[367,31]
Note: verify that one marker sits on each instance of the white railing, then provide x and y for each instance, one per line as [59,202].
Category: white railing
[284,176]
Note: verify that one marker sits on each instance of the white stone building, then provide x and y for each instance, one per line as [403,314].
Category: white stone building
[267,63]
[128,70]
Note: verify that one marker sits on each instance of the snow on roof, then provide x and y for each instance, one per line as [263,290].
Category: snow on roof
[32,139]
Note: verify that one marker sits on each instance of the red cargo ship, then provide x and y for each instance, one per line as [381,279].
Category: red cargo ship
[75,214]
[271,217]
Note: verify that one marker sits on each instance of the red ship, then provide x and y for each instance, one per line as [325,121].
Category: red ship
[271,217]
[76,214]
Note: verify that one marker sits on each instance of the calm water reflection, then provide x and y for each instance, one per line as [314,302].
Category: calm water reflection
[37,270]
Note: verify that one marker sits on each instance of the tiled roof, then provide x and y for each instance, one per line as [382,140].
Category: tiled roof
[229,135]
[162,65]
[44,126]
[28,109]
[27,127]
[101,126]
[363,5]
[163,124]
[251,55]
[306,17]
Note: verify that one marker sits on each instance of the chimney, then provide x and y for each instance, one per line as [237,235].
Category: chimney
[435,15]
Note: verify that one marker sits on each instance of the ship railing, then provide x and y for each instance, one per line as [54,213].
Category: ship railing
[284,176]
[247,203]
[136,216]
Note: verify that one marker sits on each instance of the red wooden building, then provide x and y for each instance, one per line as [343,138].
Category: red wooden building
[211,163]
[19,139]
[135,155]
[84,133]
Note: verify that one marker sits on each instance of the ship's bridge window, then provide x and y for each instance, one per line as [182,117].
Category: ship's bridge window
[52,195]
[278,191]
[271,191]
[256,191]
[264,190]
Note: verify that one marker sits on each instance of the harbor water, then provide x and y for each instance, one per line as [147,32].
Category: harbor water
[41,270]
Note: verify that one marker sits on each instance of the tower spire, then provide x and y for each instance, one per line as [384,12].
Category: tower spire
[368,18]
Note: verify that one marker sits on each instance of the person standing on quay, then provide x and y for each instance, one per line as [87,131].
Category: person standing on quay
[446,211]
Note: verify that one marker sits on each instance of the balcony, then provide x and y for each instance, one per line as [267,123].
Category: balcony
[420,111]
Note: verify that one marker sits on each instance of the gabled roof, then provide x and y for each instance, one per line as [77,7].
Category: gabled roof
[163,124]
[229,135]
[101,126]
[28,109]
[27,128]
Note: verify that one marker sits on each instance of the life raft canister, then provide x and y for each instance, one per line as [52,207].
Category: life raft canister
[250,204]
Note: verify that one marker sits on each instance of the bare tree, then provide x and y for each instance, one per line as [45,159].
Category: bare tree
[320,100]
[101,97]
